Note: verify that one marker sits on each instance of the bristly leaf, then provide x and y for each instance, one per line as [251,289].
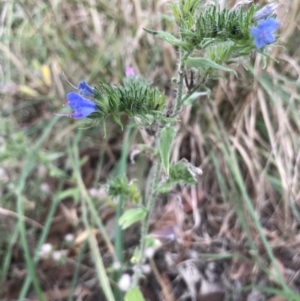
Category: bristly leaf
[203,26]
[135,98]
[189,7]
[166,137]
[176,12]
[214,26]
[182,172]
[219,34]
[119,186]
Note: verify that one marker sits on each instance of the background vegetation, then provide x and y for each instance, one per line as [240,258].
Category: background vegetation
[245,138]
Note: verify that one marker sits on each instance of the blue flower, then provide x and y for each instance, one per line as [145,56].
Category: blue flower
[265,12]
[82,107]
[263,32]
[86,90]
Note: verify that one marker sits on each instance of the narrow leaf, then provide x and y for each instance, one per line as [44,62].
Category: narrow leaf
[132,216]
[134,294]
[190,99]
[166,137]
[167,37]
[200,62]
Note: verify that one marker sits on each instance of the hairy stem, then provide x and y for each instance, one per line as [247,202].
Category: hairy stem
[149,207]
[156,170]
[180,77]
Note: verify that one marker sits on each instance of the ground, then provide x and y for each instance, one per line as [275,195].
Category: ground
[54,170]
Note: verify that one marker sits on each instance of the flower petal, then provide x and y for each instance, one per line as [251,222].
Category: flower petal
[263,32]
[85,89]
[265,11]
[259,43]
[268,25]
[78,115]
[254,31]
[81,106]
[86,111]
[75,101]
[129,71]
[269,38]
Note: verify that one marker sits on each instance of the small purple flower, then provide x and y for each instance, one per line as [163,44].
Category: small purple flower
[265,12]
[129,72]
[263,32]
[82,107]
[86,90]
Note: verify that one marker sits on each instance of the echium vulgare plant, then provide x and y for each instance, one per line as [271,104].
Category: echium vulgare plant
[208,40]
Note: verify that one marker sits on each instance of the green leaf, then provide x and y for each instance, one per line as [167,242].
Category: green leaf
[182,172]
[134,294]
[135,256]
[200,62]
[190,99]
[176,12]
[132,216]
[167,37]
[73,193]
[166,137]
[118,121]
[190,6]
[119,186]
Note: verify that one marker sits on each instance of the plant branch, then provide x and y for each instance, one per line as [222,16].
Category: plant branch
[157,167]
[180,78]
[149,207]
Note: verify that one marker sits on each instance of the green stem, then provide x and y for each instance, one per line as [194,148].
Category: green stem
[119,233]
[118,249]
[180,77]
[151,202]
[118,244]
[149,207]
[154,177]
